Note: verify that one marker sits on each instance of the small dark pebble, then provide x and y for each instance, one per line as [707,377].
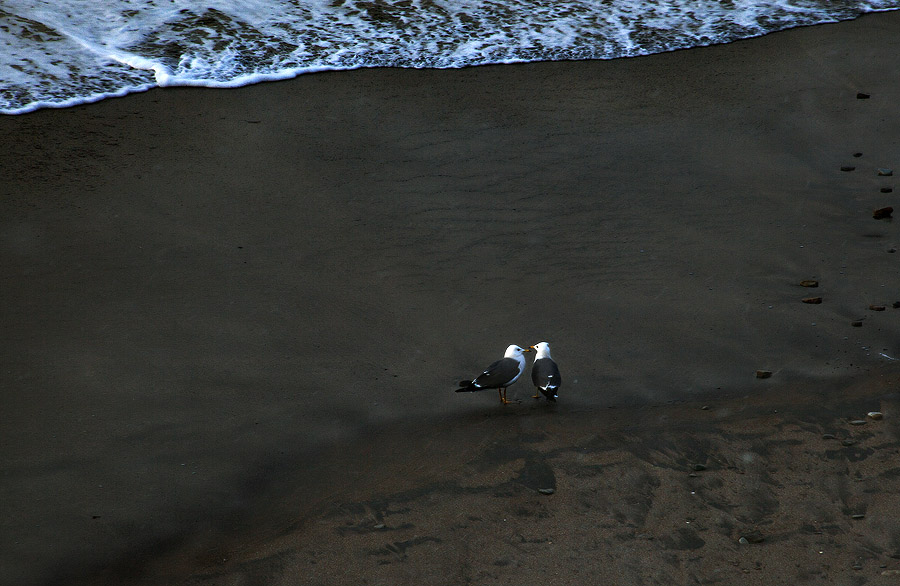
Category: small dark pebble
[857,422]
[856,324]
[896,305]
[546,490]
[857,566]
[763,373]
[849,442]
[809,283]
[862,96]
[699,467]
[885,172]
[883,213]
[754,537]
[892,250]
[876,307]
[704,408]
[812,300]
[887,189]
[848,168]
[828,436]
[857,516]
[379,527]
[857,155]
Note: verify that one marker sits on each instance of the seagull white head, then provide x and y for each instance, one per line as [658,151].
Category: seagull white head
[514,351]
[542,349]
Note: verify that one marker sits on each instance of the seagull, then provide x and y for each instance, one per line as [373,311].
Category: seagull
[544,372]
[498,375]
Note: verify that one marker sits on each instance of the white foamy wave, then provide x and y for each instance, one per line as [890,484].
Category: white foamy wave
[65,52]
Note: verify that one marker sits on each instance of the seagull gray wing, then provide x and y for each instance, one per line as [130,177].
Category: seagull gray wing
[545,374]
[499,374]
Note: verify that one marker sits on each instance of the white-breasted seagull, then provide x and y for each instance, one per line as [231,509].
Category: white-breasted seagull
[545,373]
[498,375]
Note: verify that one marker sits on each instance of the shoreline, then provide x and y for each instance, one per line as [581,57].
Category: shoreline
[204,287]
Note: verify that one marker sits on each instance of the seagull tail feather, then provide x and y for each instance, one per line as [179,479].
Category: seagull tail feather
[466,386]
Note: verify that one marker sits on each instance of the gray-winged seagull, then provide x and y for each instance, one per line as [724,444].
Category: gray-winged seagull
[498,375]
[545,373]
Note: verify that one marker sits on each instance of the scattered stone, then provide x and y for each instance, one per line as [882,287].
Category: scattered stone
[883,213]
[813,300]
[704,408]
[763,373]
[848,168]
[885,172]
[809,283]
[892,250]
[856,566]
[891,573]
[862,96]
[876,415]
[754,537]
[857,155]
[857,422]
[887,189]
[896,305]
[546,490]
[829,436]
[876,307]
[857,323]
[849,442]
[692,475]
[858,516]
[379,527]
[743,541]
[699,467]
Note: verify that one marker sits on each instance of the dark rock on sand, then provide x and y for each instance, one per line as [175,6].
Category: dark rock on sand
[875,415]
[812,300]
[887,189]
[753,536]
[857,422]
[876,307]
[763,373]
[882,172]
[862,96]
[809,283]
[848,168]
[856,323]
[882,213]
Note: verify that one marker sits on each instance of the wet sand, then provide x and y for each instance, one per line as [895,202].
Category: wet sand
[234,320]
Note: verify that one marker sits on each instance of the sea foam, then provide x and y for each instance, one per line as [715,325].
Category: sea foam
[66,52]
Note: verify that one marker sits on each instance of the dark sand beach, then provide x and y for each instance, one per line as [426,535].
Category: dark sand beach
[233,322]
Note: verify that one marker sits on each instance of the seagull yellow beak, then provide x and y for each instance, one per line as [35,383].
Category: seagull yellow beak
[530,349]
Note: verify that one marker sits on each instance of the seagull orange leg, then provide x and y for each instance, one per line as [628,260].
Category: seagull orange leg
[537,394]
